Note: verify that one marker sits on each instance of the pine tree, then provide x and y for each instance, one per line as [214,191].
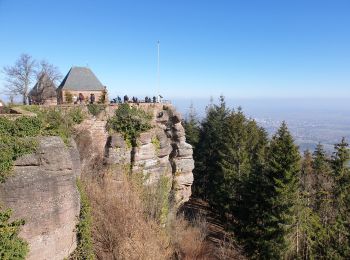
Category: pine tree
[234,162]
[192,127]
[251,203]
[309,228]
[211,139]
[281,195]
[341,200]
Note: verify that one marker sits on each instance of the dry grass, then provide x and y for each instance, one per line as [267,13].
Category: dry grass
[120,230]
[123,229]
[189,239]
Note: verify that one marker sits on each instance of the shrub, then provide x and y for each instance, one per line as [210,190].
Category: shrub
[68,97]
[189,238]
[85,246]
[6,160]
[76,115]
[16,137]
[156,143]
[11,246]
[95,109]
[130,121]
[120,228]
[15,141]
[156,199]
[6,126]
[27,126]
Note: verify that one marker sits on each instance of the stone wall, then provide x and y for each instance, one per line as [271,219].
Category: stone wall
[42,191]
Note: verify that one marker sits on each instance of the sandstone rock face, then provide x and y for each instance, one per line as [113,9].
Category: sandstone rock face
[162,151]
[91,138]
[43,192]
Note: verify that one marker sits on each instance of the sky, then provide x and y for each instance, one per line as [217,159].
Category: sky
[241,49]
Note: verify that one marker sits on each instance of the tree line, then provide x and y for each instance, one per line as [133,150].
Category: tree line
[278,204]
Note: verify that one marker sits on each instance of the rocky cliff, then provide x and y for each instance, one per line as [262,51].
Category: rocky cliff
[161,151]
[42,191]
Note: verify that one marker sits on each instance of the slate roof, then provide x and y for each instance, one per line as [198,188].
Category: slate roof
[44,88]
[81,78]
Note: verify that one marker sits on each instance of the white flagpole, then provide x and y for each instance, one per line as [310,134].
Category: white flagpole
[158,75]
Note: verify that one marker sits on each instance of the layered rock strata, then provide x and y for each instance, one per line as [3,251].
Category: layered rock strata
[161,151]
[43,192]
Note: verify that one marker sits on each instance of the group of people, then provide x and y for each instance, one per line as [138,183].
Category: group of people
[80,99]
[147,99]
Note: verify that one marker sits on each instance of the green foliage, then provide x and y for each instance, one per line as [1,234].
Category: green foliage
[18,137]
[156,143]
[281,193]
[341,202]
[77,115]
[207,153]
[278,206]
[84,249]
[16,140]
[11,246]
[95,109]
[27,126]
[155,197]
[192,128]
[68,97]
[130,121]
[6,159]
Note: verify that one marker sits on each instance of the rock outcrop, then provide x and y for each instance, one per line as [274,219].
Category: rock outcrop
[161,151]
[43,192]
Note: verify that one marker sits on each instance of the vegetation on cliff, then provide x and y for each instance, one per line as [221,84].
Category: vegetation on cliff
[127,222]
[17,137]
[130,121]
[84,248]
[11,246]
[278,204]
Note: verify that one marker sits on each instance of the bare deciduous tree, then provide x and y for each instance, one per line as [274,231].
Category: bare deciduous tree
[50,71]
[19,77]
[48,76]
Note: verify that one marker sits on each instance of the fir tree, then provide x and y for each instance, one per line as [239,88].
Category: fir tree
[251,203]
[234,162]
[206,179]
[281,193]
[341,200]
[192,127]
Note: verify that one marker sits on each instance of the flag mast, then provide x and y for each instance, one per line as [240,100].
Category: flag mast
[158,74]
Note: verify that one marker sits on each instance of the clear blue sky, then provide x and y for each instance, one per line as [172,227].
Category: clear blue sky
[295,48]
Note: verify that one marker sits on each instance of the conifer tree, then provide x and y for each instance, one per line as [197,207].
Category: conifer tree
[281,193]
[251,203]
[341,200]
[192,127]
[206,179]
[309,228]
[234,162]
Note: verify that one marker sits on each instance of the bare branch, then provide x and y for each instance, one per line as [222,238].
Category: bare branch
[51,72]
[20,76]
